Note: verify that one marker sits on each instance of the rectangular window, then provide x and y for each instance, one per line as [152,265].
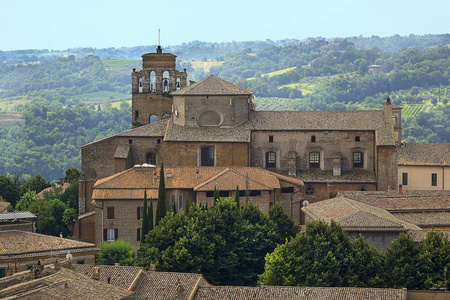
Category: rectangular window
[270,138]
[172,200]
[130,141]
[158,141]
[110,213]
[224,194]
[111,234]
[357,139]
[271,160]
[313,139]
[2,272]
[180,202]
[358,159]
[242,193]
[207,156]
[210,194]
[289,190]
[255,193]
[81,261]
[314,160]
[433,179]
[139,213]
[404,178]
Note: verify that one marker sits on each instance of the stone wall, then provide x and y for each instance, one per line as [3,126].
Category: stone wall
[323,191]
[387,169]
[145,105]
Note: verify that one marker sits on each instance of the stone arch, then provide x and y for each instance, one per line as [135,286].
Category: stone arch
[152,81]
[166,82]
[178,84]
[152,119]
[141,85]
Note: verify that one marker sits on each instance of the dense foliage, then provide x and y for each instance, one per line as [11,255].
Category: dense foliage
[117,251]
[323,255]
[225,244]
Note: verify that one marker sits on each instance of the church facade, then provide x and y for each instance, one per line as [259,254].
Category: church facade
[214,123]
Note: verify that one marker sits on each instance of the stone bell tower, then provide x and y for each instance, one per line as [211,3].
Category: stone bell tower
[151,87]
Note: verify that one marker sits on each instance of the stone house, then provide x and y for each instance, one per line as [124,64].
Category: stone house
[119,208]
[424,166]
[213,123]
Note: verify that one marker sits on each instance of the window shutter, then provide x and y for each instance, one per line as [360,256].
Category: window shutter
[138,213]
[105,235]
[116,234]
[138,234]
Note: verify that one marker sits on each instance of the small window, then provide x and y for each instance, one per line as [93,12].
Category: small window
[210,194]
[172,200]
[241,193]
[309,191]
[139,213]
[287,190]
[136,115]
[255,193]
[81,261]
[141,86]
[270,138]
[223,194]
[158,141]
[404,178]
[152,119]
[313,139]
[357,139]
[130,141]
[394,120]
[110,213]
[358,160]
[314,160]
[138,234]
[111,234]
[207,156]
[433,179]
[2,272]
[151,158]
[271,160]
[180,202]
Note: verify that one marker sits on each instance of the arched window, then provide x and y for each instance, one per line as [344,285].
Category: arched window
[152,119]
[151,158]
[358,160]
[271,159]
[314,159]
[178,84]
[165,82]
[394,120]
[140,85]
[152,81]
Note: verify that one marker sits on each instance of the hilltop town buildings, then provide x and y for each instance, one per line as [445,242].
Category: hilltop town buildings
[213,123]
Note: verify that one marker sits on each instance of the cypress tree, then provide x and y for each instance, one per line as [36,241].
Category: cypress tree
[216,195]
[145,228]
[174,207]
[161,206]
[150,215]
[236,197]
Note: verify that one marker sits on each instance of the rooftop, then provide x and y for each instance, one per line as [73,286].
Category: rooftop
[211,85]
[16,215]
[58,188]
[423,154]
[4,206]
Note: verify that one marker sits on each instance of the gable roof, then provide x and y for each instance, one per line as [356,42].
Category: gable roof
[423,154]
[17,243]
[211,85]
[354,215]
[296,293]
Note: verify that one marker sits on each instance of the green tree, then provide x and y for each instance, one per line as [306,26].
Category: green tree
[8,191]
[174,207]
[284,226]
[370,264]
[402,261]
[117,251]
[216,195]
[434,256]
[150,215]
[161,209]
[236,197]
[71,175]
[51,218]
[320,256]
[145,221]
[25,200]
[36,184]
[69,217]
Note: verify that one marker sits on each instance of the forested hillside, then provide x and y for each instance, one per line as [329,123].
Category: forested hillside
[50,100]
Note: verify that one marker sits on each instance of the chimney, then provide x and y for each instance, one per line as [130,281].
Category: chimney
[152,268]
[116,264]
[96,274]
[400,189]
[57,266]
[180,290]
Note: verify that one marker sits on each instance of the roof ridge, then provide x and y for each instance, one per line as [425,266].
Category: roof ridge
[234,168]
[106,179]
[224,171]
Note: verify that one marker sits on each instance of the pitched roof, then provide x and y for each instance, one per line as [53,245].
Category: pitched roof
[61,284]
[296,293]
[354,215]
[379,121]
[27,244]
[425,219]
[120,276]
[420,235]
[58,188]
[408,201]
[423,154]
[211,85]
[16,215]
[4,206]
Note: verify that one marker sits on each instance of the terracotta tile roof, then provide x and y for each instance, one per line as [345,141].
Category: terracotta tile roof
[58,188]
[296,293]
[354,215]
[16,215]
[27,244]
[378,121]
[132,183]
[423,154]
[324,176]
[409,201]
[121,276]
[122,151]
[164,285]
[208,134]
[425,219]
[62,284]
[212,85]
[420,235]
[4,206]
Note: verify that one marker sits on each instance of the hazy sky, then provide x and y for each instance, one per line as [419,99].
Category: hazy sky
[59,24]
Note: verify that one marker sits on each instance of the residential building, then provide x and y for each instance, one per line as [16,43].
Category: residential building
[17,220]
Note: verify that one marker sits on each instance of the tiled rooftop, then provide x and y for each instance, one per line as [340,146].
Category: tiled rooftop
[296,293]
[420,235]
[59,188]
[212,85]
[16,215]
[426,219]
[16,243]
[423,154]
[120,276]
[4,206]
[353,215]
[224,178]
